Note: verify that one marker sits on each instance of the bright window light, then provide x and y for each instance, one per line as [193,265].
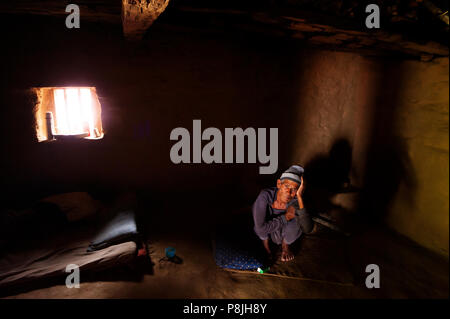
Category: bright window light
[73,111]
[68,112]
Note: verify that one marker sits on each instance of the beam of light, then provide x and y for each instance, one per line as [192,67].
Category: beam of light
[61,114]
[74,111]
[86,103]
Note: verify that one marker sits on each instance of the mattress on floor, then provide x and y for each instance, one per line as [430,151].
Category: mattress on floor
[44,258]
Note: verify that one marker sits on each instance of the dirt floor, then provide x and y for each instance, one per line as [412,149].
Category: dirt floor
[407,271]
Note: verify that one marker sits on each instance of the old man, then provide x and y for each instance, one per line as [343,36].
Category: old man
[279,213]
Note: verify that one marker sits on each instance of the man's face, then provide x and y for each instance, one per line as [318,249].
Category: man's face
[286,190]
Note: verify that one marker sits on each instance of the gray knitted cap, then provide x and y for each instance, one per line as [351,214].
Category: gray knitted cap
[293,173]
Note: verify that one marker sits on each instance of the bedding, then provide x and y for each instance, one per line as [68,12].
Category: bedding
[39,220]
[76,205]
[47,257]
[122,227]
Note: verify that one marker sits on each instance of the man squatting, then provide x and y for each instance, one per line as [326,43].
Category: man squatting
[279,213]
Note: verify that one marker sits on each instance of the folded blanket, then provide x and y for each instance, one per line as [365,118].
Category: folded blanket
[121,228]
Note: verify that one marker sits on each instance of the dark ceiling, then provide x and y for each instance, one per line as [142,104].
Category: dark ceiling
[415,28]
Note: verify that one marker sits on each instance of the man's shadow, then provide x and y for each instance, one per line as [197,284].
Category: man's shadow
[327,175]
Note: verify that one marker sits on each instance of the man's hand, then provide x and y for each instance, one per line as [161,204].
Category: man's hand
[290,213]
[300,191]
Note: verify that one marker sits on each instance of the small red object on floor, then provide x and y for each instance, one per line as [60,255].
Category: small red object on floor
[142,252]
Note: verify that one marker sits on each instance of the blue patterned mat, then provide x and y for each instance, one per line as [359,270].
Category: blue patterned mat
[230,255]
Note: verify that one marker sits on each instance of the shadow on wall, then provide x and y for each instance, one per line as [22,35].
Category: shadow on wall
[326,175]
[332,171]
[385,160]
[388,163]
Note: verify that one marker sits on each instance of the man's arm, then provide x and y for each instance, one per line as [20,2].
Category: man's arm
[297,203]
[262,226]
[304,220]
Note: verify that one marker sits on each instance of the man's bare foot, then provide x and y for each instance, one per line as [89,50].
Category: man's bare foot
[286,254]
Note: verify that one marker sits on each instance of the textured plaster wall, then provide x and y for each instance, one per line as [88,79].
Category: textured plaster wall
[423,125]
[394,116]
[334,104]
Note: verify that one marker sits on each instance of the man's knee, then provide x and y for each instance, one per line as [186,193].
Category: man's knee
[263,237]
[260,235]
[291,238]
[292,232]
